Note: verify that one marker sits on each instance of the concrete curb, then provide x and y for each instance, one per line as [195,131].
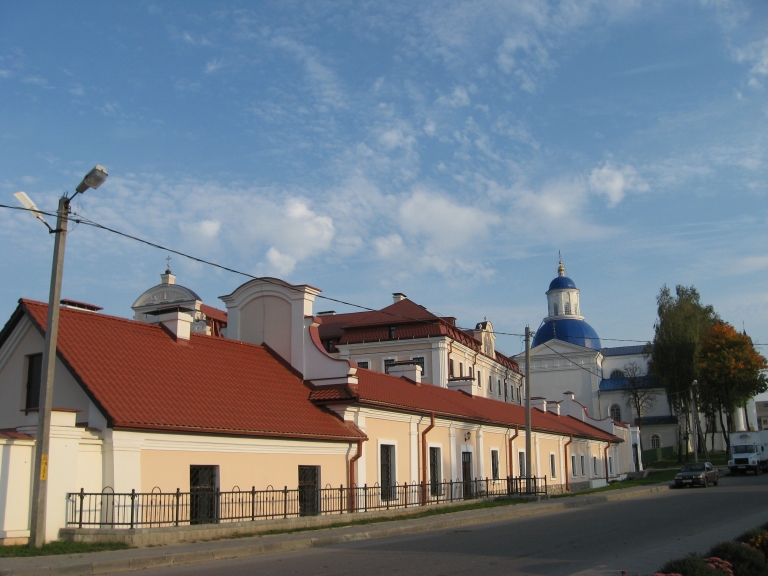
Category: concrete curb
[142,558]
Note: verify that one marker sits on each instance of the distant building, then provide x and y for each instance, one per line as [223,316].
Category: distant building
[762,415]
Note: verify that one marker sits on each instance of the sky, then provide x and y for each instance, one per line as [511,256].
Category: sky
[446,150]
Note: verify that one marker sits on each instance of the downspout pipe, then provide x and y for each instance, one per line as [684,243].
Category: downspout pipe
[605,455]
[509,450]
[567,475]
[352,480]
[424,458]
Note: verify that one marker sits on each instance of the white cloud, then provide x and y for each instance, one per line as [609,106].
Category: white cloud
[756,54]
[5,73]
[459,97]
[389,246]
[37,81]
[614,182]
[213,66]
[279,264]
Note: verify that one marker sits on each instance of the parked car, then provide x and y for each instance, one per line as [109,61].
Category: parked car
[697,474]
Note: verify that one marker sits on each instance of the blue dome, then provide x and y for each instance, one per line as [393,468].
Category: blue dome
[561,282]
[568,330]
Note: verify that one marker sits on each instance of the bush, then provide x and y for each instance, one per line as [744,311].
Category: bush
[760,543]
[691,565]
[746,560]
[750,534]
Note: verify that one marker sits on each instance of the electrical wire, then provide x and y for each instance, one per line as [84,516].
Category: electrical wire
[80,219]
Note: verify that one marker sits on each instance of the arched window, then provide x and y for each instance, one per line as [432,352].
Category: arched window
[567,308]
[655,441]
[556,310]
[616,413]
[490,383]
[617,374]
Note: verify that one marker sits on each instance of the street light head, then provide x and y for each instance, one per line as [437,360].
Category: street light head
[93,179]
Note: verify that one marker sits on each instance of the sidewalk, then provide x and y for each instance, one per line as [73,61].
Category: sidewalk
[141,558]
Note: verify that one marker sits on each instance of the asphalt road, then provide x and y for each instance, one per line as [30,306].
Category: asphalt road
[636,535]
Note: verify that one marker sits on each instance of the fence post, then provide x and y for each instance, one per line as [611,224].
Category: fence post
[365,495]
[82,497]
[133,498]
[253,503]
[178,497]
[285,502]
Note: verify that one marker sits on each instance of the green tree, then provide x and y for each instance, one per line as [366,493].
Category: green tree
[678,332]
[730,372]
[638,392]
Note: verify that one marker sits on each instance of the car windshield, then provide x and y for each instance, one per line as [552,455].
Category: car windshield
[693,468]
[744,449]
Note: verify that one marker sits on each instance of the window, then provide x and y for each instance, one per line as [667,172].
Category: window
[610,465]
[583,468]
[435,476]
[388,478]
[450,368]
[387,363]
[521,463]
[567,308]
[34,378]
[556,310]
[495,464]
[471,372]
[552,466]
[616,413]
[391,332]
[498,386]
[461,370]
[203,481]
[594,465]
[576,309]
[478,378]
[490,383]
[420,361]
[363,364]
[617,374]
[573,465]
[655,441]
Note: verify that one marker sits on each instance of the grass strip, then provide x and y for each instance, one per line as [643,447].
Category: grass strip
[60,547]
[654,477]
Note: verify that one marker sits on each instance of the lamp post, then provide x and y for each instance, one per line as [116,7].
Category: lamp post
[93,179]
[527,409]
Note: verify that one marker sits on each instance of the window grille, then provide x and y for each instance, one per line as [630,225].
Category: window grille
[420,361]
[617,374]
[583,468]
[388,487]
[450,368]
[616,413]
[363,364]
[387,364]
[495,464]
[552,466]
[521,463]
[435,475]
[567,308]
[573,466]
[556,309]
[655,441]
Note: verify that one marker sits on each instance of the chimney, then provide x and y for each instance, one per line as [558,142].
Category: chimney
[406,369]
[540,403]
[554,407]
[398,296]
[168,278]
[177,320]
[464,384]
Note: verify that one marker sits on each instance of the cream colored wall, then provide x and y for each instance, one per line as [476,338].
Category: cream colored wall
[272,311]
[15,486]
[26,340]
[380,431]
[169,470]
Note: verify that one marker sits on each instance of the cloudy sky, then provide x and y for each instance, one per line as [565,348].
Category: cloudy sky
[446,150]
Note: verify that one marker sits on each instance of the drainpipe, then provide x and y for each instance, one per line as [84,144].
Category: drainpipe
[424,458]
[355,458]
[567,476]
[605,455]
[509,449]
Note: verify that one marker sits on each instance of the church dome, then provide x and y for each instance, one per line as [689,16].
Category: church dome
[568,330]
[561,282]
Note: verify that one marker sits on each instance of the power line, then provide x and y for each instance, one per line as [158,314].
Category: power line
[80,219]
[571,361]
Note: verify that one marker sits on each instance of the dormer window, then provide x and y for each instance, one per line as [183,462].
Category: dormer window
[391,332]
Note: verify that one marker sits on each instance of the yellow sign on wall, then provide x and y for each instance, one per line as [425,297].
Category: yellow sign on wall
[44,468]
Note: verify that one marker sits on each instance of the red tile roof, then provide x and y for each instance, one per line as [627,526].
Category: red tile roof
[143,379]
[12,434]
[383,390]
[213,313]
[332,326]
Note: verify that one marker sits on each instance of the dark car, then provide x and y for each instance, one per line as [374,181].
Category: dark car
[697,474]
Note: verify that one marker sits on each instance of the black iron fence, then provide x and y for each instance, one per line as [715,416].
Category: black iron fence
[155,509]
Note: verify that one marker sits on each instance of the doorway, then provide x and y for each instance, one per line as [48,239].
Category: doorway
[309,490]
[466,474]
[202,494]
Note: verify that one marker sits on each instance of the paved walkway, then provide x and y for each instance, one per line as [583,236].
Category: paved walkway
[142,558]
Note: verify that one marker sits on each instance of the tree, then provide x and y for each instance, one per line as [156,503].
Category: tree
[679,329]
[731,372]
[637,390]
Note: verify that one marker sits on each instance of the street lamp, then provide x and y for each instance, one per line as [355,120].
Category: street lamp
[93,179]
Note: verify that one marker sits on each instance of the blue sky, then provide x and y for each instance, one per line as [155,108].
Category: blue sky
[446,150]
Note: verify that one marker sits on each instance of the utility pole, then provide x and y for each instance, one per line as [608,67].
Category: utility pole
[40,480]
[527,409]
[93,179]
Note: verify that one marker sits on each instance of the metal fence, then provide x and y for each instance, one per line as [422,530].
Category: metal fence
[155,509]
